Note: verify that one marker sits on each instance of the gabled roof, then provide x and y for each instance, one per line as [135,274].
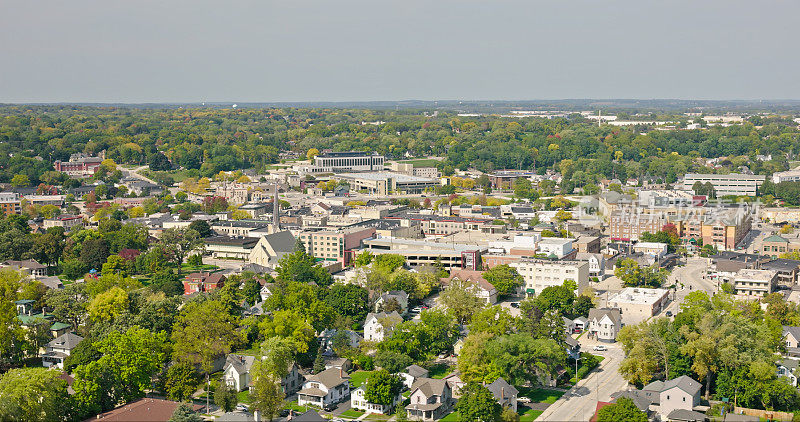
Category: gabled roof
[330,377]
[430,386]
[392,316]
[473,276]
[638,398]
[240,363]
[309,416]
[65,341]
[794,331]
[416,371]
[684,415]
[598,314]
[502,390]
[684,383]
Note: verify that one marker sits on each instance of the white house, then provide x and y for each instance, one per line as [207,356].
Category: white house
[57,350]
[237,371]
[597,263]
[604,324]
[379,324]
[478,285]
[679,393]
[326,388]
[271,248]
[358,401]
[236,374]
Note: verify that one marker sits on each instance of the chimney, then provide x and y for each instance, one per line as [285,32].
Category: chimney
[341,373]
[502,393]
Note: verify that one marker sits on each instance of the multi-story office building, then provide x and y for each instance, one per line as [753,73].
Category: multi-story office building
[337,162]
[786,176]
[754,283]
[335,245]
[726,184]
[422,252]
[540,274]
[10,203]
[628,226]
[385,182]
[79,165]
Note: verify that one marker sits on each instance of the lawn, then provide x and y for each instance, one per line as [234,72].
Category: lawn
[451,417]
[540,395]
[358,378]
[292,405]
[351,414]
[244,396]
[377,417]
[439,370]
[530,415]
[186,268]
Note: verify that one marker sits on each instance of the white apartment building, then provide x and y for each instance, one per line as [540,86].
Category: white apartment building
[637,304]
[727,184]
[540,274]
[556,246]
[786,176]
[754,283]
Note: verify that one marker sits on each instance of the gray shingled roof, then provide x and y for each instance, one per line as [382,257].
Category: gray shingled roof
[65,341]
[794,331]
[684,415]
[241,363]
[416,371]
[684,383]
[309,416]
[598,314]
[430,386]
[502,390]
[330,377]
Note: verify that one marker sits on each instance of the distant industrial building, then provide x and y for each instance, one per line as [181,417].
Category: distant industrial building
[727,184]
[337,162]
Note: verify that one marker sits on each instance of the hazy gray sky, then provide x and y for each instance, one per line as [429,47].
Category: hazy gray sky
[347,50]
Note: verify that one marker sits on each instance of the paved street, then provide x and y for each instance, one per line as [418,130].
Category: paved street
[688,278]
[578,403]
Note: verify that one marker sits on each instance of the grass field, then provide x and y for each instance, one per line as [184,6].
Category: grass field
[540,395]
[244,396]
[530,415]
[352,414]
[358,378]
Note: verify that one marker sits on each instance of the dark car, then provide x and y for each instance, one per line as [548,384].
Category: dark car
[515,304]
[669,313]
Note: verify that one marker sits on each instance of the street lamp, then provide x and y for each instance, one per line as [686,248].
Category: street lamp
[576,368]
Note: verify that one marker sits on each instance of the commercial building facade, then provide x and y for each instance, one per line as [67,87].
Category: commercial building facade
[726,184]
[540,274]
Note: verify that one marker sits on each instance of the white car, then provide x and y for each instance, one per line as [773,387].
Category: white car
[600,348]
[416,310]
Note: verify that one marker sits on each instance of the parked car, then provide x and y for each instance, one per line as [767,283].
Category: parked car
[515,304]
[600,348]
[242,408]
[416,310]
[669,313]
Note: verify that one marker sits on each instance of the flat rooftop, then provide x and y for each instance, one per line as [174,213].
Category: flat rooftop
[638,295]
[383,175]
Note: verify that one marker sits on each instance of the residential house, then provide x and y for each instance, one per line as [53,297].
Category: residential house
[358,401]
[788,368]
[267,289]
[338,363]
[202,282]
[791,336]
[57,350]
[504,393]
[456,384]
[604,324]
[326,338]
[68,222]
[482,288]
[308,416]
[398,296]
[145,409]
[679,393]
[28,266]
[412,373]
[597,263]
[326,388]
[379,324]
[236,374]
[429,400]
[237,371]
